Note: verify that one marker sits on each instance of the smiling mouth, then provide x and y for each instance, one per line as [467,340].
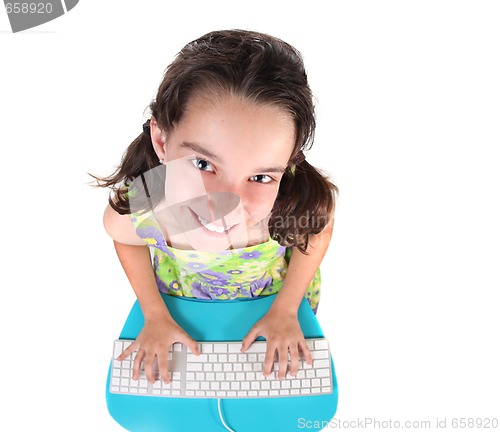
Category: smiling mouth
[212,227]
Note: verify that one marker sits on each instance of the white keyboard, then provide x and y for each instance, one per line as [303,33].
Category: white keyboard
[222,371]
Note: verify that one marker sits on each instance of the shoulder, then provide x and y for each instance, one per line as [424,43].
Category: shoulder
[120,227]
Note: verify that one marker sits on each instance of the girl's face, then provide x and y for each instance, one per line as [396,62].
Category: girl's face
[225,160]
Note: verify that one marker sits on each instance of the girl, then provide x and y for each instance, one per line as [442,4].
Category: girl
[218,186]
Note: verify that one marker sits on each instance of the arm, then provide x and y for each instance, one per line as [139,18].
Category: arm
[160,330]
[280,325]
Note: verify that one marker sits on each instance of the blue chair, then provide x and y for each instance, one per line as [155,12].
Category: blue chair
[216,320]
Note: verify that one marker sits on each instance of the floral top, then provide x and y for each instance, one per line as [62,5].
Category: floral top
[246,272]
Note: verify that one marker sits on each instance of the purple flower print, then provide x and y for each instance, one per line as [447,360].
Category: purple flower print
[166,249]
[196,266]
[214,278]
[242,290]
[174,286]
[219,283]
[245,292]
[150,232]
[161,284]
[251,255]
[260,284]
[216,292]
[199,291]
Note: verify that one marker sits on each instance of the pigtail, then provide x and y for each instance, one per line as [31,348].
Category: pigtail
[138,158]
[304,206]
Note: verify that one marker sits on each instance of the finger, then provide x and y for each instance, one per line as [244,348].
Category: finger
[282,362]
[162,359]
[191,344]
[137,364]
[250,337]
[148,364]
[125,353]
[306,352]
[294,359]
[268,360]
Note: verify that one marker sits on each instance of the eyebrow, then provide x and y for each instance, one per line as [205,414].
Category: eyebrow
[275,169]
[199,149]
[205,152]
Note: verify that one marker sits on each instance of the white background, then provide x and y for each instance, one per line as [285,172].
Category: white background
[408,101]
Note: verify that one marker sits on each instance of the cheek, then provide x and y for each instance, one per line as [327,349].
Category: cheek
[259,203]
[192,181]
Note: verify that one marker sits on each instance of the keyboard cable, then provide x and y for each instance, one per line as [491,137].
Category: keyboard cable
[222,417]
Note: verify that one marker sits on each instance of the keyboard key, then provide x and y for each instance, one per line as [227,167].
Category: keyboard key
[118,349]
[220,348]
[257,347]
[192,385]
[202,358]
[323,372]
[320,354]
[321,344]
[235,347]
[194,367]
[321,363]
[207,348]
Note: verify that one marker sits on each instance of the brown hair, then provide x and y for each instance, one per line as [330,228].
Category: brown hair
[263,69]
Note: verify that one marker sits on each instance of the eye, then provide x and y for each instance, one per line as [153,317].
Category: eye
[202,164]
[261,178]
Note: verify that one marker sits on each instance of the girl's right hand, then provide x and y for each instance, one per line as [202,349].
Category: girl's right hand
[154,341]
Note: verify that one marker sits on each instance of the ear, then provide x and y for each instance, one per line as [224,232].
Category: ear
[158,138]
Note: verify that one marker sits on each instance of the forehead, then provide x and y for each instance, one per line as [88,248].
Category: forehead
[218,105]
[227,123]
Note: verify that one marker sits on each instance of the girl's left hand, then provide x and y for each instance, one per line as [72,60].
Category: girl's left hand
[283,335]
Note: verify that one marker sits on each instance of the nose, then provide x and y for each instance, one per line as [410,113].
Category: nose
[225,208]
[224,184]
[226,200]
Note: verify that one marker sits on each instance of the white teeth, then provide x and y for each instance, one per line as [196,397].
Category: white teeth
[211,227]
